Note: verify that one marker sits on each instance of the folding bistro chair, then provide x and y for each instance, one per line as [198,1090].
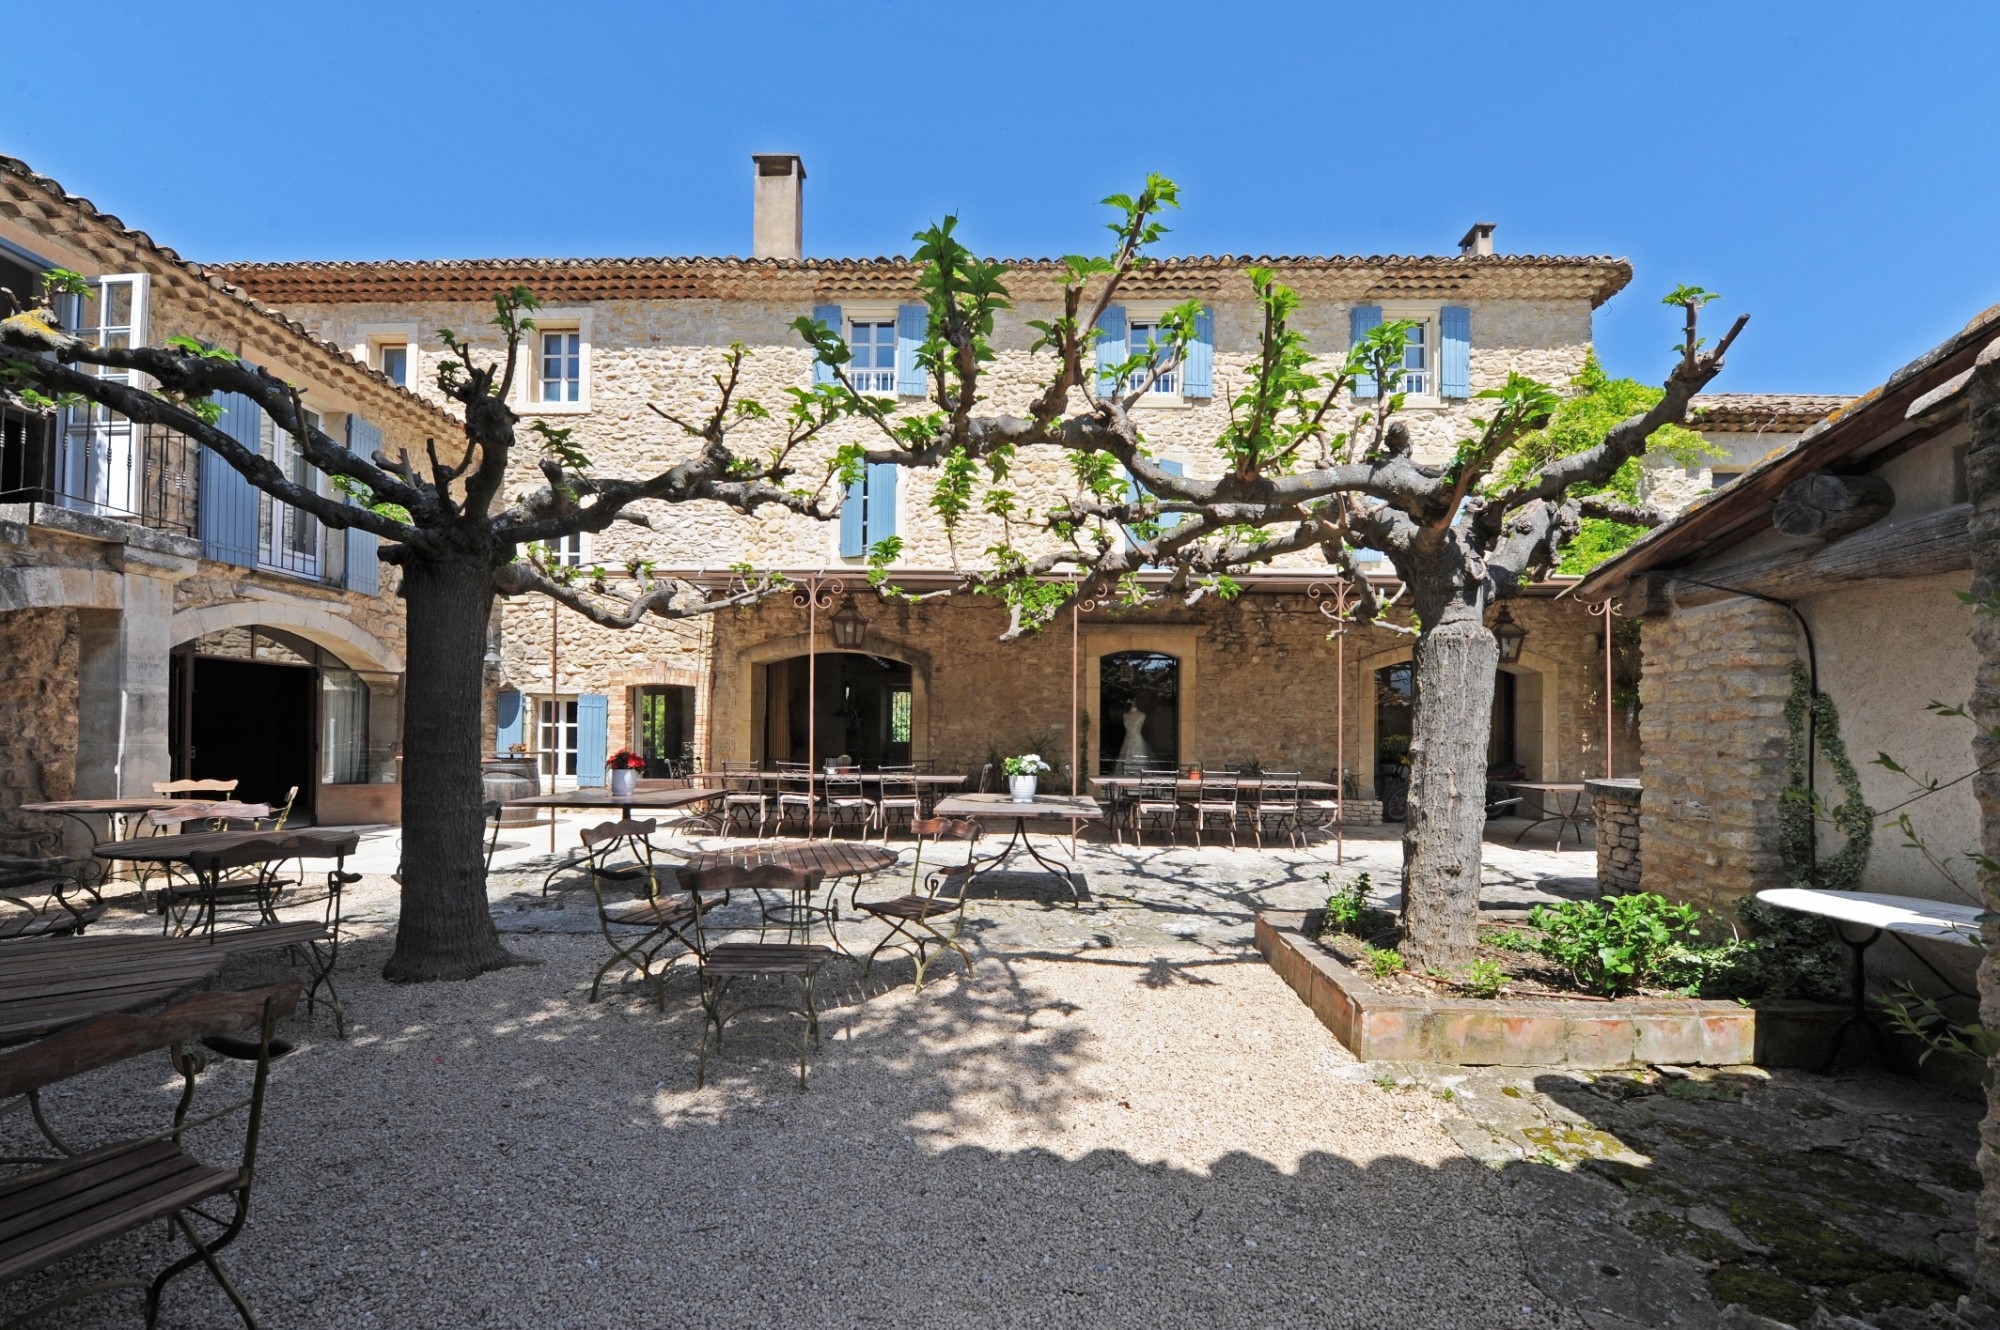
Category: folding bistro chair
[1216,797]
[1155,798]
[847,803]
[911,916]
[723,963]
[744,795]
[900,797]
[640,929]
[1276,802]
[796,796]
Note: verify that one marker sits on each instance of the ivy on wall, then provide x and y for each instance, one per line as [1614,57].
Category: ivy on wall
[1802,809]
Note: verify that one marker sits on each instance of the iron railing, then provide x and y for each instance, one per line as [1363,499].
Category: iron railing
[94,462]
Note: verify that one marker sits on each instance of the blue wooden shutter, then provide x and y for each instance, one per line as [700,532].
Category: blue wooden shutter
[1198,372]
[853,543]
[227,507]
[1172,468]
[1360,319]
[593,713]
[507,720]
[364,571]
[912,321]
[829,316]
[1110,347]
[880,522]
[1455,353]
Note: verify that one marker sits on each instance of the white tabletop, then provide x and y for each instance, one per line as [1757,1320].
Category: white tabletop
[1947,920]
[1045,807]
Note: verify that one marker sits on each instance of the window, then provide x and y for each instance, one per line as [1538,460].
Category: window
[566,551]
[873,342]
[393,359]
[899,715]
[1721,476]
[289,539]
[98,463]
[1142,336]
[1419,377]
[555,736]
[562,366]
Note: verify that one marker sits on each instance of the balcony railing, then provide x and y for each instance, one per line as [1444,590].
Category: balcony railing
[100,464]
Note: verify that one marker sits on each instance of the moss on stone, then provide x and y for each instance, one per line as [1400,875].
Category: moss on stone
[1762,1291]
[1704,1244]
[1574,1144]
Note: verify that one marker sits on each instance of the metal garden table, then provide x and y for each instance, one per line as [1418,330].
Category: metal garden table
[1568,814]
[653,800]
[1060,809]
[834,859]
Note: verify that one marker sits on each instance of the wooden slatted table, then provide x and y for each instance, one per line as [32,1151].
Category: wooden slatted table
[1059,809]
[835,859]
[49,983]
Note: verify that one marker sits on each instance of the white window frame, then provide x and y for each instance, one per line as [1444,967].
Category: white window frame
[272,552]
[570,551]
[874,315]
[529,392]
[1432,319]
[97,445]
[374,336]
[1147,314]
[550,758]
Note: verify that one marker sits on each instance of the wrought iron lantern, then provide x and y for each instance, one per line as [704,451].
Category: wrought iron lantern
[1509,635]
[848,627]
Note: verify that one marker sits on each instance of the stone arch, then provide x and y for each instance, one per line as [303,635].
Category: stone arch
[1536,713]
[356,648]
[737,694]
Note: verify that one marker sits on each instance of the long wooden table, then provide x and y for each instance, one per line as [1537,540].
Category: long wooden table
[1063,809]
[48,983]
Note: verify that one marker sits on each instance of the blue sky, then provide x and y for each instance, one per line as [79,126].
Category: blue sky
[1827,167]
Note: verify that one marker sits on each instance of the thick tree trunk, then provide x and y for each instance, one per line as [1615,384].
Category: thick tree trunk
[446,931]
[1455,661]
[1982,469]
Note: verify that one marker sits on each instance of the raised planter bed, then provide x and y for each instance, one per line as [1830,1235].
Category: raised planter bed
[1538,1032]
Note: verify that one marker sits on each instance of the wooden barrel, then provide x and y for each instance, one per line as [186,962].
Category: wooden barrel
[507,778]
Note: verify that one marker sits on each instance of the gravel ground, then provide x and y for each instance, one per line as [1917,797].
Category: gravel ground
[1121,1118]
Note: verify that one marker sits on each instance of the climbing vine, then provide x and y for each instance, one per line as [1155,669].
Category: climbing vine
[1802,809]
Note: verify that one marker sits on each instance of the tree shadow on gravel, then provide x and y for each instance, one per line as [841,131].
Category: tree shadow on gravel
[1043,1144]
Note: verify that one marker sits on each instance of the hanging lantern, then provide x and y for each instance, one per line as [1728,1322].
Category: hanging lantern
[1509,635]
[848,627]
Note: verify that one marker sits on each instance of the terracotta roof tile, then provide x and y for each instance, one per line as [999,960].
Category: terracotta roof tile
[1779,413]
[314,282]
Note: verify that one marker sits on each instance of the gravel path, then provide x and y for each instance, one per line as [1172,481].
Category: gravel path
[1122,1135]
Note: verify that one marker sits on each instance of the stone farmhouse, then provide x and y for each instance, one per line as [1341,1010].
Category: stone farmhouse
[1222,682]
[158,617]
[1843,551]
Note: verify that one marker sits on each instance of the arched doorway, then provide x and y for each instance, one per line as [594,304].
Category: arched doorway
[1138,695]
[271,709]
[861,705]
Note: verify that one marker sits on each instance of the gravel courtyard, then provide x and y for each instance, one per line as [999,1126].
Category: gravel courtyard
[1121,1118]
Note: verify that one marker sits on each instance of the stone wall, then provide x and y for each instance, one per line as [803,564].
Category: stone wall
[1615,806]
[38,703]
[1713,692]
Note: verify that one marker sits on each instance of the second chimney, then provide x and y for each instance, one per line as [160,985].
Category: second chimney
[778,225]
[1478,242]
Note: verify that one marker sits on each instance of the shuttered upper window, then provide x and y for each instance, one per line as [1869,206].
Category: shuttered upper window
[873,345]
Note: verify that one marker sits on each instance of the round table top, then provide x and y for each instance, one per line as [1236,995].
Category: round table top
[88,806]
[834,858]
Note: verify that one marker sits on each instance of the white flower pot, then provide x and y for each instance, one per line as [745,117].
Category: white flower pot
[1022,788]
[624,780]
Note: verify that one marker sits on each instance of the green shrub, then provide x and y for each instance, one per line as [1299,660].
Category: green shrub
[1383,961]
[1484,978]
[1509,939]
[1611,946]
[1347,903]
[1779,954]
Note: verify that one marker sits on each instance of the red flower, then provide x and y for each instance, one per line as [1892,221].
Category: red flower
[627,760]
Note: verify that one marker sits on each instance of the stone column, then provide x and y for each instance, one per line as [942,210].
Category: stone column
[122,697]
[1615,805]
[1713,759]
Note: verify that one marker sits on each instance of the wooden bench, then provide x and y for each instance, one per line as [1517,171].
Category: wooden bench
[70,1202]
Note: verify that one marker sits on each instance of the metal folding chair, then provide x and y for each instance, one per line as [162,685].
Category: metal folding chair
[915,916]
[723,963]
[640,929]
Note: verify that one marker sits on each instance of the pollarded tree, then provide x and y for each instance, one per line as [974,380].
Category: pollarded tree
[1297,475]
[444,521]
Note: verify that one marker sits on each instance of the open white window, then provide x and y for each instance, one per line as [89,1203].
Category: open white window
[288,539]
[100,466]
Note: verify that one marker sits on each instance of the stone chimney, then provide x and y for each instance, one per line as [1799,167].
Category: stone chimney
[1476,243]
[778,226]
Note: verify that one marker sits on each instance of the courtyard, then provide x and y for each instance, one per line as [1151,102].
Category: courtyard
[1122,1116]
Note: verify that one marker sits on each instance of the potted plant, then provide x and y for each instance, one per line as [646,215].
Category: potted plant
[1021,773]
[625,768]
